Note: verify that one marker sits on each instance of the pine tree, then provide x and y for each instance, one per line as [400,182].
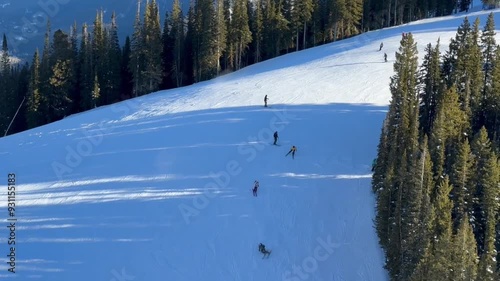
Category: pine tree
[460,179]
[457,44]
[481,150]
[220,32]
[488,186]
[136,62]
[167,54]
[450,125]
[96,91]
[5,88]
[86,70]
[301,15]
[352,17]
[178,36]
[74,94]
[473,82]
[34,97]
[152,48]
[464,258]
[202,37]
[61,76]
[492,100]
[114,59]
[401,205]
[436,264]
[488,46]
[100,55]
[257,30]
[127,78]
[431,87]
[240,31]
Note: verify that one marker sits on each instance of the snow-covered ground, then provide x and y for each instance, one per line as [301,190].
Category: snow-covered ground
[159,187]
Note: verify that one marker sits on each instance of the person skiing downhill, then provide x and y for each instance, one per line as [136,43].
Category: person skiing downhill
[255,188]
[381,45]
[262,249]
[292,150]
[275,137]
[385,57]
[265,101]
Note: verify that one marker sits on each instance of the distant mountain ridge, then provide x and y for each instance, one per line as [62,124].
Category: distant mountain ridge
[24,22]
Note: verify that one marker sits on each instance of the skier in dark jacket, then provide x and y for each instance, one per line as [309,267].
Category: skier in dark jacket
[292,150]
[262,249]
[385,57]
[265,101]
[255,188]
[381,45]
[275,137]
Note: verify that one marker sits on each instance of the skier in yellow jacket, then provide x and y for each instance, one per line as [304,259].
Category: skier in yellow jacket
[292,150]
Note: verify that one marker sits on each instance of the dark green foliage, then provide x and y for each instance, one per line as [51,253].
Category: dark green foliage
[458,238]
[431,87]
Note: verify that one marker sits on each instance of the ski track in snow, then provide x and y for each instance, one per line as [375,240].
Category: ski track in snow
[129,169]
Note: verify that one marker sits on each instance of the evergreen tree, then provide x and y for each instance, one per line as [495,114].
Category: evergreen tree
[177,35]
[301,15]
[487,187]
[96,91]
[436,265]
[352,17]
[452,55]
[34,96]
[113,76]
[45,73]
[220,32]
[240,31]
[5,87]
[400,200]
[74,94]
[86,70]
[431,87]
[152,48]
[127,78]
[473,82]
[137,58]
[481,150]
[167,55]
[488,46]
[464,259]
[100,55]
[460,179]
[204,46]
[450,125]
[61,77]
[257,30]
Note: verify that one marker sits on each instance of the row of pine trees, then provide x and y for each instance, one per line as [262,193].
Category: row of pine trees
[437,174]
[87,67]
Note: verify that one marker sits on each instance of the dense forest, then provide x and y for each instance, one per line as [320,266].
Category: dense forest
[87,67]
[436,176]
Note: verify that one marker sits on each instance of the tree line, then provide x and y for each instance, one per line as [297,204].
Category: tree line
[87,67]
[436,176]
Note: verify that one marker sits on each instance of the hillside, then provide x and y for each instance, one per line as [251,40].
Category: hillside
[159,187]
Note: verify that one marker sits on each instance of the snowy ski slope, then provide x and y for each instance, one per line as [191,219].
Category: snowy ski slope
[159,187]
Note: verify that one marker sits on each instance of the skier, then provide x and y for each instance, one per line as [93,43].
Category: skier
[262,249]
[292,150]
[265,101]
[381,45]
[385,57]
[255,188]
[275,137]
